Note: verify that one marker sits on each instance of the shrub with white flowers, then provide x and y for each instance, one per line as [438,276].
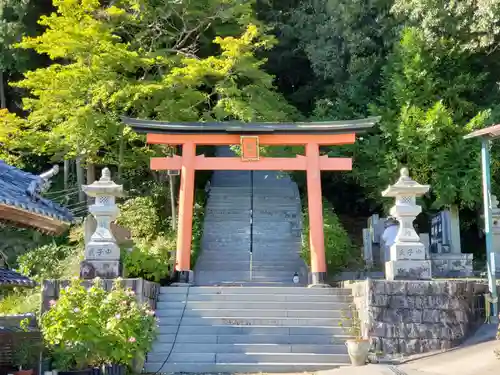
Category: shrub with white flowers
[92,327]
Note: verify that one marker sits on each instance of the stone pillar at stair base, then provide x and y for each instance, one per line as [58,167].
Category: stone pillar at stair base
[102,253]
[186,201]
[407,254]
[315,207]
[184,277]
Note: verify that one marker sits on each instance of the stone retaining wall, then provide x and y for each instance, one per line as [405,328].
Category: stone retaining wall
[410,317]
[146,291]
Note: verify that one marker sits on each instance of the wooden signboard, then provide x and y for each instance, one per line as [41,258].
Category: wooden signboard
[249,148]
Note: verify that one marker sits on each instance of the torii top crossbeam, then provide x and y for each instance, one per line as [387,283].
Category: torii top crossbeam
[250,137]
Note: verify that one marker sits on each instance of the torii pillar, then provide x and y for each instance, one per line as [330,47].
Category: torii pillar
[311,136]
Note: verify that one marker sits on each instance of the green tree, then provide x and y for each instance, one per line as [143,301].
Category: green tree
[103,72]
[340,47]
[472,24]
[427,106]
[17,18]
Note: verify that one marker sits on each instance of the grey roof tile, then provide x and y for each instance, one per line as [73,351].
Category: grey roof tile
[22,190]
[12,278]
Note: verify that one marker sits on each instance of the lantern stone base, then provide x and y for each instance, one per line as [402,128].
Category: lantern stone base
[101,250]
[452,265]
[408,270]
[105,269]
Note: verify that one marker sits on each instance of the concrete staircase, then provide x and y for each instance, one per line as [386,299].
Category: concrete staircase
[276,240]
[248,316]
[249,329]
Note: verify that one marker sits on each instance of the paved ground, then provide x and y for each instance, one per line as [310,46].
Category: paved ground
[479,359]
[475,357]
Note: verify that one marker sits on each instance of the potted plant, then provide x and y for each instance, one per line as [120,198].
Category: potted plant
[26,355]
[90,329]
[357,346]
[130,330]
[73,329]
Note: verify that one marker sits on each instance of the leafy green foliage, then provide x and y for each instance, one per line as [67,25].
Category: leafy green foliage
[351,323]
[75,107]
[426,110]
[21,301]
[473,24]
[10,125]
[17,18]
[339,252]
[26,353]
[151,259]
[17,241]
[93,327]
[45,261]
[340,48]
[140,215]
[198,219]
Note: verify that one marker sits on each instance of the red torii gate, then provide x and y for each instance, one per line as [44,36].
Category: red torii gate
[250,137]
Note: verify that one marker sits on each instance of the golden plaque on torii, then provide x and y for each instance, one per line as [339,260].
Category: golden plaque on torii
[249,148]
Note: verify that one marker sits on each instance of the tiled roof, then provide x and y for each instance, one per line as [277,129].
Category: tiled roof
[12,278]
[22,190]
[12,323]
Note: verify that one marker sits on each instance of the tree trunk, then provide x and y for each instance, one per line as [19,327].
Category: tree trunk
[66,174]
[90,180]
[3,101]
[121,152]
[90,173]
[80,179]
[172,202]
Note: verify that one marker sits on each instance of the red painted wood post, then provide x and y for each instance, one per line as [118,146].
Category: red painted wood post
[186,202]
[315,206]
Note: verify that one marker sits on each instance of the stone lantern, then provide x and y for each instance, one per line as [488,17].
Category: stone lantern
[102,254]
[407,254]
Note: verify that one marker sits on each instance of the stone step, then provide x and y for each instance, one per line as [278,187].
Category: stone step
[237,232]
[166,347]
[231,368]
[258,265]
[248,357]
[243,202]
[259,258]
[257,212]
[237,329]
[236,227]
[279,254]
[249,313]
[226,205]
[221,279]
[244,266]
[243,297]
[245,275]
[263,244]
[247,218]
[218,214]
[248,321]
[272,339]
[261,268]
[287,291]
[288,243]
[250,305]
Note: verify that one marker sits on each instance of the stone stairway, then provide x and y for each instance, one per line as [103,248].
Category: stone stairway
[249,329]
[276,240]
